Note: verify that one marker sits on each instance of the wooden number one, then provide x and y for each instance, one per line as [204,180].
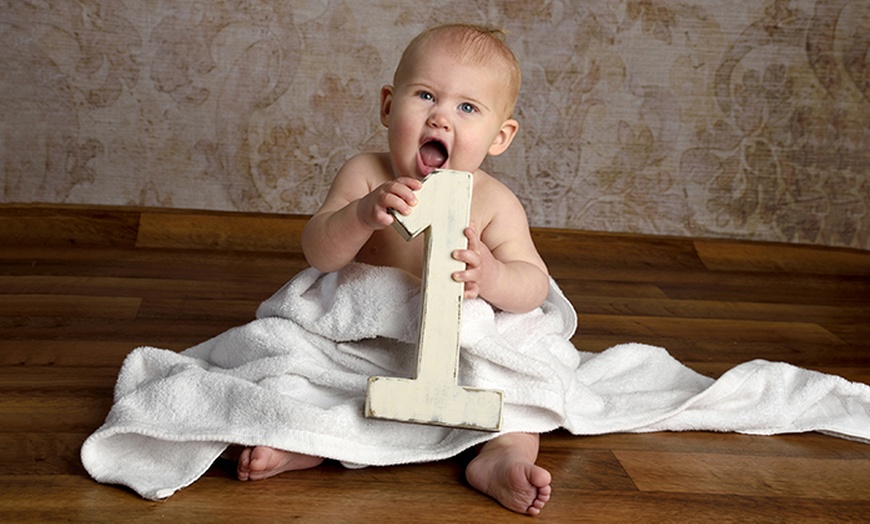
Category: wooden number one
[434,396]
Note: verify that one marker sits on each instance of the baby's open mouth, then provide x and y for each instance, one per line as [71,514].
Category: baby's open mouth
[433,154]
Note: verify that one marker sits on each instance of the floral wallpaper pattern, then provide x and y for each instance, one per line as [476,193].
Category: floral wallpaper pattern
[744,119]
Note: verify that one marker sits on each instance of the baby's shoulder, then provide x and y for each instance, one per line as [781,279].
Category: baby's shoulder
[376,165]
[369,169]
[495,204]
[492,190]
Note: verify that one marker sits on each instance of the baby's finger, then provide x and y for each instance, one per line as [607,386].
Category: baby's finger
[406,188]
[384,218]
[473,238]
[472,290]
[469,276]
[396,203]
[412,183]
[471,258]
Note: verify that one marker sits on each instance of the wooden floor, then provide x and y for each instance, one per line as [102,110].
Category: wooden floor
[81,287]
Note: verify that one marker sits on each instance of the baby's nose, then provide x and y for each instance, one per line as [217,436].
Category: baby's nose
[437,119]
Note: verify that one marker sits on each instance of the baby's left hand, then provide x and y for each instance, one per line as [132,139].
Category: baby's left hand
[478,260]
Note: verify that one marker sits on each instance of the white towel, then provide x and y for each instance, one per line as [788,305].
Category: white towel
[295,379]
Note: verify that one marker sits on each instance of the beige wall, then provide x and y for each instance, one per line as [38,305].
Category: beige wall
[746,119]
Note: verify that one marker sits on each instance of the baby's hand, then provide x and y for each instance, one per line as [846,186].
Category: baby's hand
[478,260]
[373,209]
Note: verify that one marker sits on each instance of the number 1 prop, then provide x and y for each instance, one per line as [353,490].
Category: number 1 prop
[434,396]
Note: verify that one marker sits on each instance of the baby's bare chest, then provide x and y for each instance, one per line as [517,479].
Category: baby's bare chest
[388,248]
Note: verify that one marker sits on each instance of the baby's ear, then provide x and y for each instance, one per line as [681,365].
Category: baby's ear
[504,137]
[386,104]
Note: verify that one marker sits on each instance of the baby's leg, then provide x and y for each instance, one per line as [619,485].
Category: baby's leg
[505,470]
[262,462]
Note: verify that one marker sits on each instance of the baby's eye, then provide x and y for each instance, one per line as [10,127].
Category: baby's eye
[467,108]
[426,95]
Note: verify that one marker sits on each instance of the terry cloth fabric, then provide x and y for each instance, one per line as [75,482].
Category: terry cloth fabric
[295,379]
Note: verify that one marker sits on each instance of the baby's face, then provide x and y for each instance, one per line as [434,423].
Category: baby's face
[444,114]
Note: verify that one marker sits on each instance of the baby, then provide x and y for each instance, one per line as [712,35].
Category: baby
[450,106]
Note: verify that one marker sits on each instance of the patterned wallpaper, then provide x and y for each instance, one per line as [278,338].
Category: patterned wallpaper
[743,119]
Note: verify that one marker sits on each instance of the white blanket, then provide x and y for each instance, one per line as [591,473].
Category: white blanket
[295,379]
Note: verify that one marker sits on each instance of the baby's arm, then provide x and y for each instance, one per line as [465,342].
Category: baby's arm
[502,264]
[356,206]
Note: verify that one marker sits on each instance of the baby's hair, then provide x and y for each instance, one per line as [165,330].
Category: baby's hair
[471,43]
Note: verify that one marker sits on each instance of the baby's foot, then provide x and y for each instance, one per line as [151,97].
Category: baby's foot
[507,475]
[263,462]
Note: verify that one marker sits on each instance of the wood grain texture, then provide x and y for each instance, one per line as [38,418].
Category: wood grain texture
[225,231]
[704,472]
[81,287]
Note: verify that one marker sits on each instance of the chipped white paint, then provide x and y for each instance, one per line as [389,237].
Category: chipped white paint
[434,396]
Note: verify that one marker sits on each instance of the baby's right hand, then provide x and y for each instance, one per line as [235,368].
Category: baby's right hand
[373,209]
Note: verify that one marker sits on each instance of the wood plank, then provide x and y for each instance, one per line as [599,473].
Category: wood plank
[801,477]
[603,506]
[57,305]
[711,303]
[726,255]
[219,288]
[36,225]
[351,494]
[54,400]
[573,287]
[779,289]
[232,311]
[740,286]
[601,471]
[735,310]
[854,331]
[41,453]
[229,232]
[35,353]
[795,445]
[74,498]
[55,413]
[576,251]
[33,225]
[710,328]
[148,331]
[56,380]
[275,268]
